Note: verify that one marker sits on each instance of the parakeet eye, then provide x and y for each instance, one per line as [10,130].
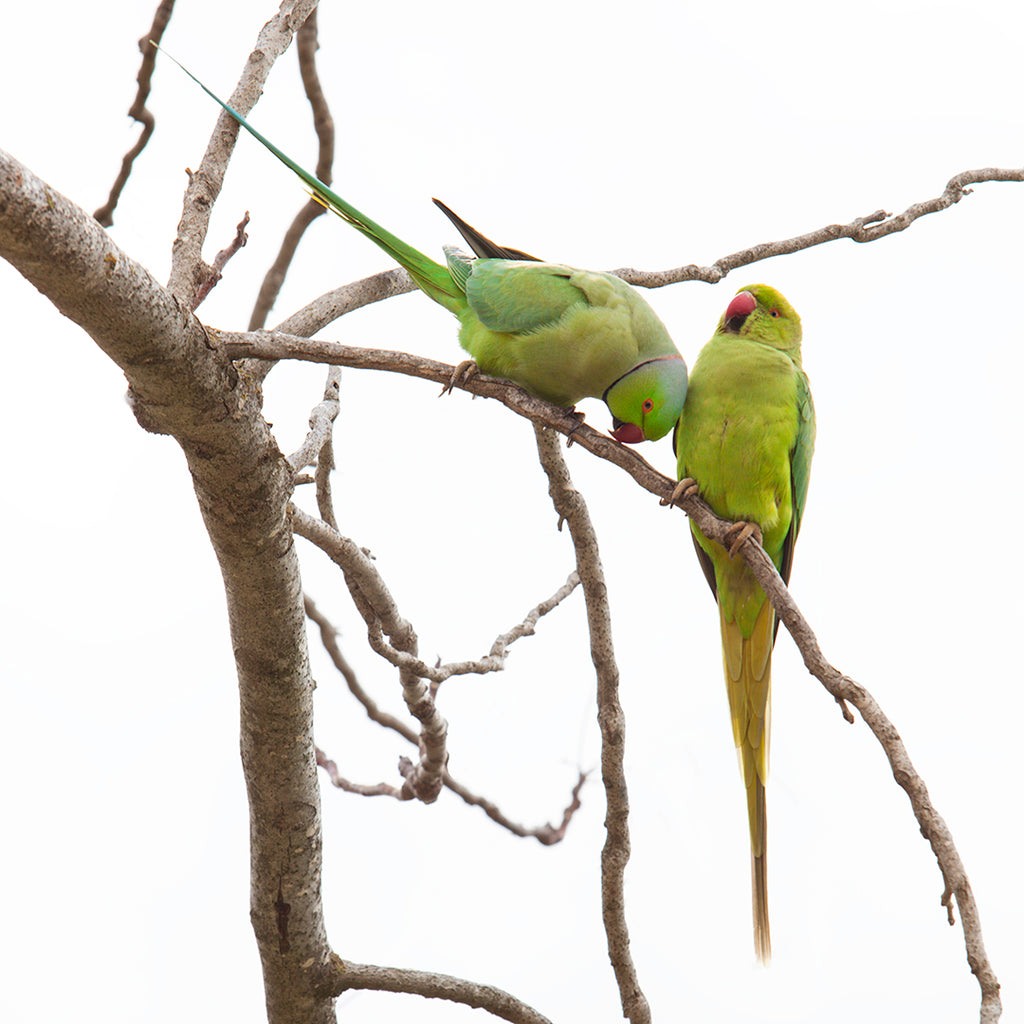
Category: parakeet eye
[648,405]
[775,313]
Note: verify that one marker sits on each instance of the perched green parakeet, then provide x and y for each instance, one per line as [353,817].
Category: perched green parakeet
[746,434]
[561,333]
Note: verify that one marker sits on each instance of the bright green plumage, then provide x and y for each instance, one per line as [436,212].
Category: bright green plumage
[746,435]
[563,334]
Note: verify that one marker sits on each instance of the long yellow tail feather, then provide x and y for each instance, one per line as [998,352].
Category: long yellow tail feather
[747,662]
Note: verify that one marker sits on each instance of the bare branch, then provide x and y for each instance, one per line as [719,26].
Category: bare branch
[862,229]
[321,422]
[329,307]
[329,638]
[138,110]
[187,269]
[545,834]
[353,559]
[571,507]
[380,789]
[306,45]
[180,386]
[220,262]
[545,414]
[345,976]
[932,825]
[273,345]
[380,613]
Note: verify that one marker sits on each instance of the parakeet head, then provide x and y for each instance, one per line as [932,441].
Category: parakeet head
[646,402]
[762,314]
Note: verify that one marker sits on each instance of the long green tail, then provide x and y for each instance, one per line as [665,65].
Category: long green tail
[430,276]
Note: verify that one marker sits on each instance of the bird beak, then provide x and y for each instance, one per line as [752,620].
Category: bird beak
[738,310]
[627,433]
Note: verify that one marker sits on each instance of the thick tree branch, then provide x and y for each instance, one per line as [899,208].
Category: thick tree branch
[181,386]
[572,509]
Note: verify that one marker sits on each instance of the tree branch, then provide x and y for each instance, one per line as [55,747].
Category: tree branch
[572,509]
[546,834]
[380,613]
[932,825]
[183,387]
[187,268]
[345,976]
[332,305]
[843,689]
[138,110]
[862,229]
[306,45]
[220,261]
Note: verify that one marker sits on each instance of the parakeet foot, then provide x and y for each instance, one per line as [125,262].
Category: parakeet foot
[466,369]
[579,417]
[743,531]
[686,488]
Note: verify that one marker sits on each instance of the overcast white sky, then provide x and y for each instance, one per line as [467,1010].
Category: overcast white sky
[650,134]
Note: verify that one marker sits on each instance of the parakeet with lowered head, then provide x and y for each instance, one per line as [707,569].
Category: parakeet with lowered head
[561,333]
[746,435]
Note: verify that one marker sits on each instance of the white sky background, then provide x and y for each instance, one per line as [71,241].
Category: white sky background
[650,134]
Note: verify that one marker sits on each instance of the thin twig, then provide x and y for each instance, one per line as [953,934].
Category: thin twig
[380,613]
[220,261]
[187,268]
[862,229]
[321,422]
[307,45]
[329,638]
[332,305]
[344,976]
[572,508]
[380,789]
[546,834]
[138,110]
[351,558]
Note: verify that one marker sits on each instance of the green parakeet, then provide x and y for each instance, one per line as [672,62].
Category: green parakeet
[746,434]
[563,334]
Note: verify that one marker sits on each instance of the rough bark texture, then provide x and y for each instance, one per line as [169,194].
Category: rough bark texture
[180,385]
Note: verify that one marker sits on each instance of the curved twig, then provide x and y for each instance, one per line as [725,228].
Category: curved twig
[378,609]
[344,976]
[306,45]
[862,229]
[187,268]
[138,110]
[546,834]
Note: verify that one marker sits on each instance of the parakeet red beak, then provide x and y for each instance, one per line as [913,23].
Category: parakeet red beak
[628,433]
[738,310]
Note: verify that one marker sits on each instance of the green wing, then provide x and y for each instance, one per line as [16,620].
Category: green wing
[515,297]
[800,470]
